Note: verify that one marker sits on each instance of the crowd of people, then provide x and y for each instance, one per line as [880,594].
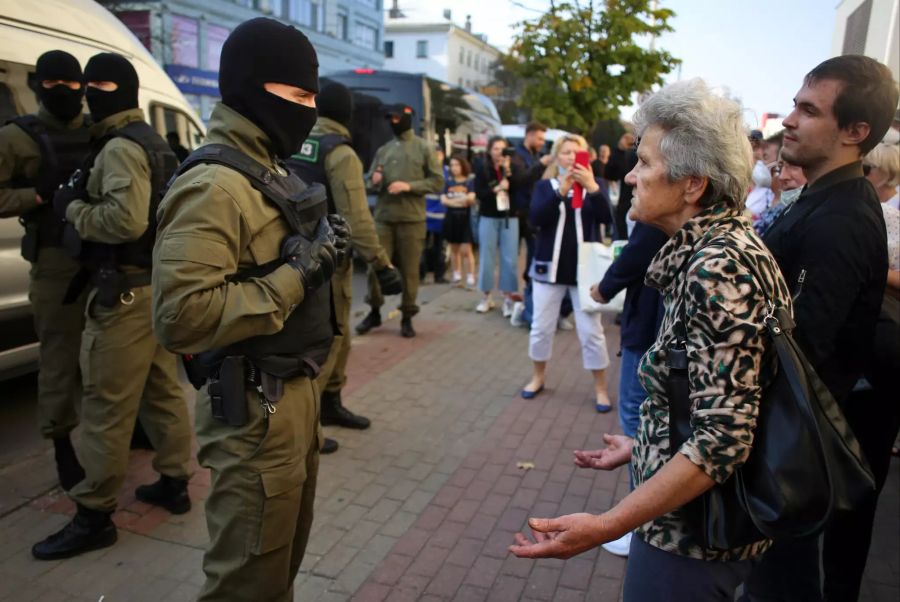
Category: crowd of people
[237,257]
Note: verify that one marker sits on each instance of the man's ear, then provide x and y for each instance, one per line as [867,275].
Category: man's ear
[695,186]
[855,133]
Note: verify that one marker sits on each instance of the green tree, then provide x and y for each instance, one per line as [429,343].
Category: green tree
[581,60]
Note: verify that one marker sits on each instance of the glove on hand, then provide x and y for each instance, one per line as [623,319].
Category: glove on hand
[315,259]
[340,236]
[62,198]
[389,281]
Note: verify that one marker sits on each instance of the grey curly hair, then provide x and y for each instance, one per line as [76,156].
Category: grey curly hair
[702,135]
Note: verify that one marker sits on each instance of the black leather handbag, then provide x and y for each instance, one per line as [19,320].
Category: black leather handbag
[805,462]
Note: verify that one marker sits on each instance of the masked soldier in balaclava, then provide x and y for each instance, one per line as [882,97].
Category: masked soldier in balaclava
[38,153]
[327,157]
[403,171]
[241,276]
[110,207]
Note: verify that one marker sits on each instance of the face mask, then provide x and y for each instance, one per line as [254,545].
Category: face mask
[109,67]
[789,196]
[286,123]
[62,102]
[403,125]
[762,177]
[562,171]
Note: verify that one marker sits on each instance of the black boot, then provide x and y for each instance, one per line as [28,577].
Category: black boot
[373,320]
[167,493]
[329,446]
[406,329]
[89,530]
[67,466]
[335,414]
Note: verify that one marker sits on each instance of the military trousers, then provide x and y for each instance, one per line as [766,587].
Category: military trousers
[260,505]
[403,242]
[333,376]
[58,328]
[126,371]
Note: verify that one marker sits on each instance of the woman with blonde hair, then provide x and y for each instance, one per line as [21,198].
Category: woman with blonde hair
[563,222]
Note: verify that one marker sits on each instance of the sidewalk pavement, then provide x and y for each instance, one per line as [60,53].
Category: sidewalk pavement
[419,507]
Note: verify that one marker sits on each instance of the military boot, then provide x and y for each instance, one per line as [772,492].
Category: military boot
[329,446]
[67,466]
[406,328]
[89,530]
[167,493]
[373,320]
[335,414]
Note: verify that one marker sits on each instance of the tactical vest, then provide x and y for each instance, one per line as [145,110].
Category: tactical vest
[62,152]
[138,253]
[302,345]
[309,161]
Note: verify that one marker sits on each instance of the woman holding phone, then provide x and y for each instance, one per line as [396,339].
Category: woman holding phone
[567,207]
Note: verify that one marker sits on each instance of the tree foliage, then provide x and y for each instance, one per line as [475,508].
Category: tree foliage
[582,60]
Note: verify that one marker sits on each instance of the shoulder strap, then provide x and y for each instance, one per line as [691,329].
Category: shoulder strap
[296,210]
[37,131]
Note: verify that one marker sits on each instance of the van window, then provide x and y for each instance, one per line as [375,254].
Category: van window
[165,119]
[16,98]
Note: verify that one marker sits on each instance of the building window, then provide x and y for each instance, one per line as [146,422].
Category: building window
[184,42]
[462,58]
[373,4]
[422,49]
[304,12]
[460,82]
[215,38]
[388,49]
[477,57]
[343,32]
[469,59]
[366,36]
[857,29]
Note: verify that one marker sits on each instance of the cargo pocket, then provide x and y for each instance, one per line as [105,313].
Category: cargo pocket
[84,359]
[282,487]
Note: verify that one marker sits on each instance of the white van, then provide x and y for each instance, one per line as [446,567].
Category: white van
[82,28]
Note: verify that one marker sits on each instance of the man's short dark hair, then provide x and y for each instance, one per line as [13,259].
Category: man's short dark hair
[869,94]
[535,126]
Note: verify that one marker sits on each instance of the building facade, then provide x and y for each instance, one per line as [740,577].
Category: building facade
[869,27]
[440,49]
[186,36]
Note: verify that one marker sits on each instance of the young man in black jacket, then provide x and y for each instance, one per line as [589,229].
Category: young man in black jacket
[832,249]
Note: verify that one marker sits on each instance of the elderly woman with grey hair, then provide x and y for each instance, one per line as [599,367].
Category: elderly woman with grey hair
[694,167]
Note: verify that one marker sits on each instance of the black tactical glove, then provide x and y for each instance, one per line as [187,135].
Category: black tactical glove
[340,231]
[315,259]
[62,198]
[389,281]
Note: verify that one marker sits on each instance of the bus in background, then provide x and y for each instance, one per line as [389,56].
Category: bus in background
[457,119]
[82,28]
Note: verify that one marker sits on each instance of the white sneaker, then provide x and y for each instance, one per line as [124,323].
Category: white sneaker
[457,278]
[566,323]
[516,318]
[620,546]
[486,305]
[470,280]
[507,308]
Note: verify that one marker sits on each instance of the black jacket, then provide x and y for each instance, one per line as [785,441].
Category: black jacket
[643,310]
[831,246]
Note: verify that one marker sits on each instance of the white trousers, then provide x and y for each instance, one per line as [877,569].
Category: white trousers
[547,302]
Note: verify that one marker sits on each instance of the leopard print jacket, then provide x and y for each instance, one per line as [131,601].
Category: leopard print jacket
[726,343]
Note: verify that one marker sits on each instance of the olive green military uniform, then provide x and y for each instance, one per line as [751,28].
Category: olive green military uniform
[260,506]
[58,326]
[124,368]
[345,178]
[400,218]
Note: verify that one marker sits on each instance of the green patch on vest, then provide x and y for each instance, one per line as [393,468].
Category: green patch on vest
[309,151]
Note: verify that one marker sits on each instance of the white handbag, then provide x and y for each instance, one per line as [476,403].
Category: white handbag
[594,258]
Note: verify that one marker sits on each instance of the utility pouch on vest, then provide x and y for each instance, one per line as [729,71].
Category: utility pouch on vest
[111,285]
[228,392]
[31,242]
[272,387]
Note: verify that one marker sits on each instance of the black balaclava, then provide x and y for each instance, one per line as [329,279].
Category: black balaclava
[61,101]
[405,112]
[263,50]
[336,102]
[109,67]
